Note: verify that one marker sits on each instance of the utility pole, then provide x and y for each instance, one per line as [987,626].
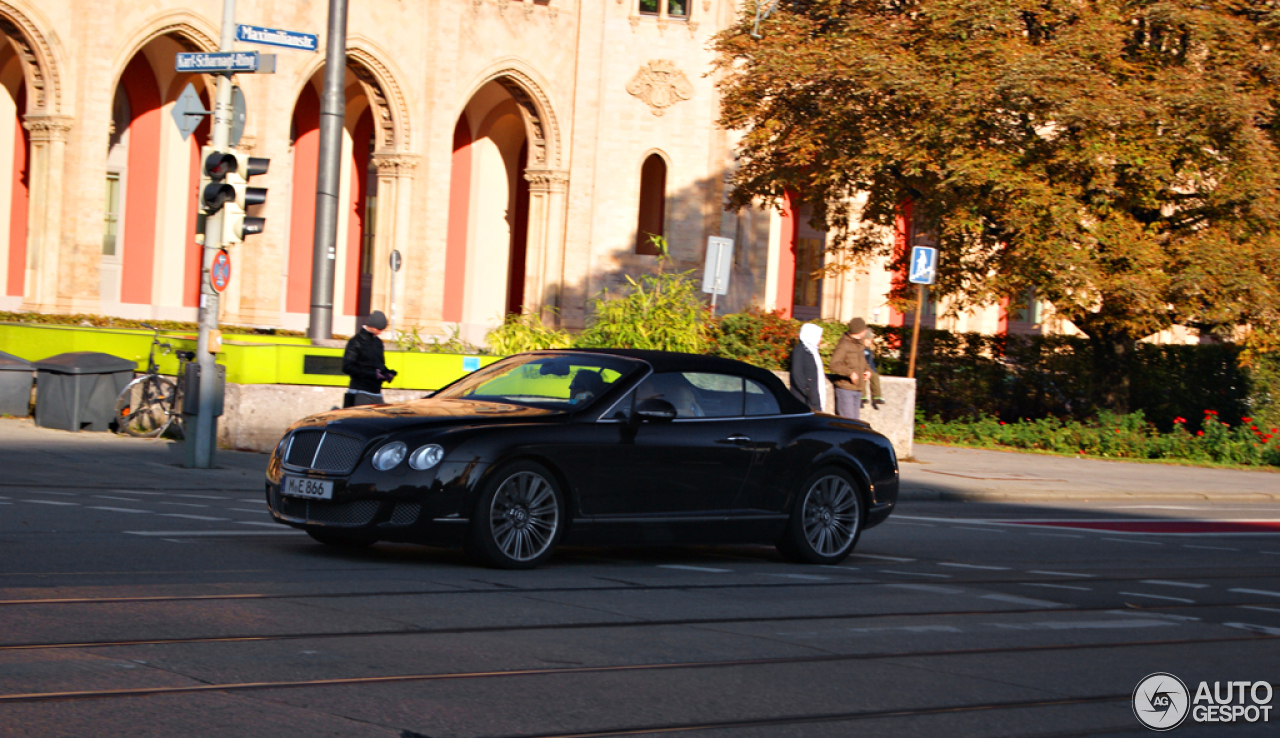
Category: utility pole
[333,103]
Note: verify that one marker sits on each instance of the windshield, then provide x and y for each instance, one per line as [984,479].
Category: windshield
[551,381]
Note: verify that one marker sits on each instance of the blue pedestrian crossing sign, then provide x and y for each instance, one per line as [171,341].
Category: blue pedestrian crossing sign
[924,265]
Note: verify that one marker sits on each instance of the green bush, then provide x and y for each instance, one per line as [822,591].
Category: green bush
[411,340]
[107,321]
[757,337]
[660,311]
[525,332]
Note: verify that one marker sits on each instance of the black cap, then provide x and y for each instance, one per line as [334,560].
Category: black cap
[376,320]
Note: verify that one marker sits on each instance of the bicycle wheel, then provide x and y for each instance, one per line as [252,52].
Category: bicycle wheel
[142,408]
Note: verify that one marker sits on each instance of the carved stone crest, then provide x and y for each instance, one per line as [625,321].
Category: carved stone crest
[659,84]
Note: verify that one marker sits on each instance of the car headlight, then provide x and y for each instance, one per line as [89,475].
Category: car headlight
[389,455]
[426,457]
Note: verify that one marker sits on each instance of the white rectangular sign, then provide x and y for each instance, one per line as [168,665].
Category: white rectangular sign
[715,277]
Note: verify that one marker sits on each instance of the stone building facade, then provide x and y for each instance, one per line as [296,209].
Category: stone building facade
[516,153]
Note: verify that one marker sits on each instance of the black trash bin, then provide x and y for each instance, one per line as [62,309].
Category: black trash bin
[77,391]
[15,385]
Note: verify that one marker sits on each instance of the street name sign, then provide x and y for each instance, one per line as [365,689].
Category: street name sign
[924,265]
[277,37]
[225,61]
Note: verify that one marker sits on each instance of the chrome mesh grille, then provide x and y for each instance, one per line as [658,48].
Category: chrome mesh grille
[406,513]
[358,512]
[324,451]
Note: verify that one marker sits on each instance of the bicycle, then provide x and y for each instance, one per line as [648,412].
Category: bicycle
[152,403]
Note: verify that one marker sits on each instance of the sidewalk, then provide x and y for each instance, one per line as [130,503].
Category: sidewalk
[950,473]
[51,458]
[30,455]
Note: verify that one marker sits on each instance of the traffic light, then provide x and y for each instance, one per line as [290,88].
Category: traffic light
[235,223]
[215,191]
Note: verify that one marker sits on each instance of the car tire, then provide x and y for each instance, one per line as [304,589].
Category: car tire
[341,539]
[519,517]
[826,520]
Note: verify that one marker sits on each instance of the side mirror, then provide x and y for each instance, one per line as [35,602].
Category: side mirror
[655,410]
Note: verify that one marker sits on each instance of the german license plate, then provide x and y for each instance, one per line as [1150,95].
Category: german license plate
[316,489]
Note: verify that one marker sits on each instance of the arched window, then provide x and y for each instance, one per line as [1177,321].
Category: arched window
[653,204]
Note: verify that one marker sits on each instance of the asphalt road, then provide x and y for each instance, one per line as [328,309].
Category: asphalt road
[161,606]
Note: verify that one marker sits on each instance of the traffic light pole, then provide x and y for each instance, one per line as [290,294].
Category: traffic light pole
[202,439]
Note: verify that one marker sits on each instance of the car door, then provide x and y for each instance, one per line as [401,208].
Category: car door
[692,465]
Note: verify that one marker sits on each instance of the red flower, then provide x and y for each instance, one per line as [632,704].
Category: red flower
[1199,433]
[1117,430]
[1246,420]
[1179,421]
[1001,422]
[1210,412]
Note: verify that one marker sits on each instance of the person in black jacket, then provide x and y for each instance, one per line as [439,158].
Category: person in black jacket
[364,361]
[808,380]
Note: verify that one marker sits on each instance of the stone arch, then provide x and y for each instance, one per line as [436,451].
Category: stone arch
[530,94]
[39,60]
[190,31]
[378,78]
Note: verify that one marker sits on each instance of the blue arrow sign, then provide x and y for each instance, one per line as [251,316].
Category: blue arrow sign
[225,61]
[924,265]
[276,37]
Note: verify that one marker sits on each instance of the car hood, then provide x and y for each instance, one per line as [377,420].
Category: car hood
[372,420]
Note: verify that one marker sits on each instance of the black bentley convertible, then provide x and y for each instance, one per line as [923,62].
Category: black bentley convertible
[609,447]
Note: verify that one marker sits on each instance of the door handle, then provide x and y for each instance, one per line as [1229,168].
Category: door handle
[738,440]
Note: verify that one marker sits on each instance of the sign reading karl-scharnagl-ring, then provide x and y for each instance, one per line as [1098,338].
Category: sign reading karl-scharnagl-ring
[277,37]
[225,61]
[1161,701]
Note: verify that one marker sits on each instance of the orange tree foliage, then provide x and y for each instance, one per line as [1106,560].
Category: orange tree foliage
[1118,157]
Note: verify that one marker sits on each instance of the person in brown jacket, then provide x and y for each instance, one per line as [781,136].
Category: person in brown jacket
[849,365]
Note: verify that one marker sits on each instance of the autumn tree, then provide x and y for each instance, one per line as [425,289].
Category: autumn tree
[1118,157]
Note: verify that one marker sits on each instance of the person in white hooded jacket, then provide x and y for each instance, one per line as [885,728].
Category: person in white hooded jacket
[808,380]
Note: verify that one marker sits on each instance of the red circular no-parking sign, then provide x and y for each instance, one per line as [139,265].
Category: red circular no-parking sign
[220,272]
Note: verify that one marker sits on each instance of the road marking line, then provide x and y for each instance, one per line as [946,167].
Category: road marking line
[118,509]
[975,566]
[927,588]
[239,509]
[59,494]
[190,517]
[1016,600]
[1140,543]
[1157,597]
[184,504]
[1083,624]
[1053,535]
[1060,573]
[54,502]
[1170,616]
[190,533]
[201,497]
[1270,553]
[1057,586]
[258,522]
[122,499]
[883,558]
[981,530]
[1257,607]
[1210,548]
[809,577]
[251,499]
[918,525]
[915,574]
[1254,628]
[1167,583]
[1255,592]
[694,568]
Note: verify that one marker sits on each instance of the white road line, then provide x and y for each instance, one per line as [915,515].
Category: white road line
[59,494]
[1053,535]
[190,533]
[121,499]
[915,574]
[258,522]
[1056,586]
[1210,548]
[682,567]
[201,497]
[118,509]
[184,504]
[1157,597]
[240,509]
[1059,573]
[189,517]
[927,588]
[981,530]
[1255,592]
[1270,553]
[1140,543]
[808,577]
[251,499]
[54,502]
[1167,583]
[918,525]
[1254,628]
[1016,600]
[1166,615]
[974,566]
[1257,607]
[883,558]
[846,568]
